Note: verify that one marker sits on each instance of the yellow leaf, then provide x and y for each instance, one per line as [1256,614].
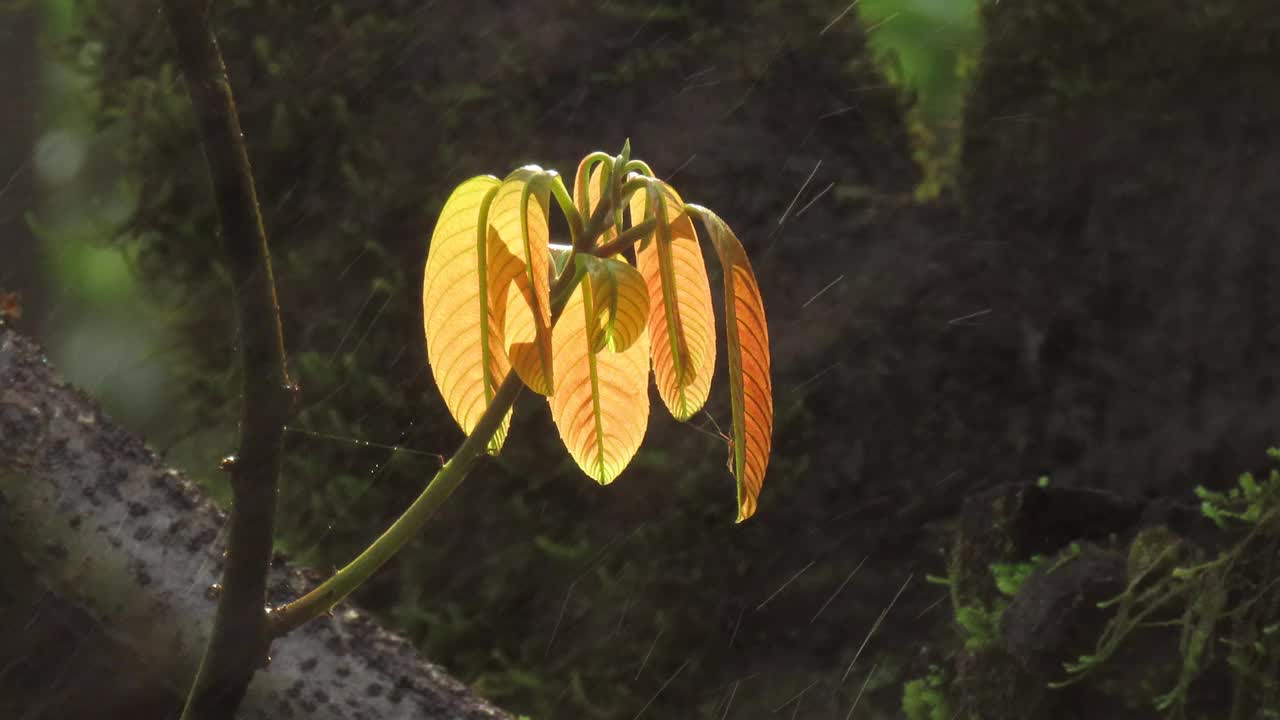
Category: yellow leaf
[518,266]
[622,298]
[463,330]
[750,384]
[681,322]
[601,405]
[621,301]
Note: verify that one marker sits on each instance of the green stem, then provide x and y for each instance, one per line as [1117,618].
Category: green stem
[571,214]
[637,166]
[600,221]
[639,182]
[324,597]
[319,601]
[587,166]
[628,238]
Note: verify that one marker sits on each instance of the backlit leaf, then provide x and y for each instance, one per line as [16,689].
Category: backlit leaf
[681,322]
[751,387]
[463,330]
[601,404]
[518,268]
[621,302]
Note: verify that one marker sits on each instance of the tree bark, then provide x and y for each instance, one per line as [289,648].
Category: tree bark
[113,558]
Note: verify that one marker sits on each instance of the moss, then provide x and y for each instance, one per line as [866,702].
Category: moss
[1155,550]
[1188,633]
[980,625]
[360,116]
[1220,608]
[983,567]
[926,699]
[1010,576]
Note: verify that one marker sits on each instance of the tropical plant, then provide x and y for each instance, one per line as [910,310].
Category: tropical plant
[583,323]
[494,293]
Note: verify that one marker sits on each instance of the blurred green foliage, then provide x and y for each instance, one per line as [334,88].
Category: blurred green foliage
[929,48]
[926,698]
[544,594]
[1225,609]
[100,327]
[358,123]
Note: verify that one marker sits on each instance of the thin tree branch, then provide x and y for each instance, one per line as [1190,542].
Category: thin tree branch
[238,642]
[242,630]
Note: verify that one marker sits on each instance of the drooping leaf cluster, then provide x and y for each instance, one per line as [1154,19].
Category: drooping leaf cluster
[615,311]
[361,116]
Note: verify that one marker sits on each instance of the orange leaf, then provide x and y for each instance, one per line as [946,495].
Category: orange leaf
[463,329]
[622,298]
[681,322]
[601,405]
[518,267]
[750,384]
[620,301]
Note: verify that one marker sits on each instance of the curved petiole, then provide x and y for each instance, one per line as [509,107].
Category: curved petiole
[567,208]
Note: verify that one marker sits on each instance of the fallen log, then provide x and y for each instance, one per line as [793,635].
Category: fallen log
[107,584]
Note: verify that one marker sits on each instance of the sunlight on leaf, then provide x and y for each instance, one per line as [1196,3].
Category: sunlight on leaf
[487,312]
[681,321]
[463,333]
[751,388]
[601,405]
[518,269]
[601,351]
[622,305]
[621,302]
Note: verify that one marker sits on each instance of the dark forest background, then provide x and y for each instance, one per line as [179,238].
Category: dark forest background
[1019,260]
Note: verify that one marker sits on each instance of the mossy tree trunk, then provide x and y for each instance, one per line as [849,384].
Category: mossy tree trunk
[110,578]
